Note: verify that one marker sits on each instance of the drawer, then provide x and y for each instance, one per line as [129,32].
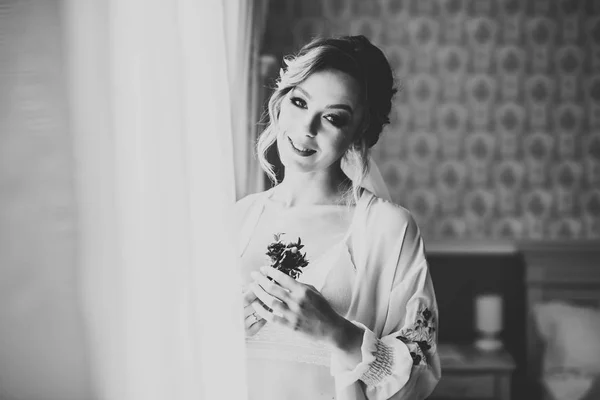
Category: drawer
[465,386]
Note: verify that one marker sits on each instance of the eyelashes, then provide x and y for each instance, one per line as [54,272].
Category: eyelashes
[298,102]
[336,120]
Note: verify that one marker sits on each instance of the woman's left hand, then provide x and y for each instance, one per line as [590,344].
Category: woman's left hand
[296,305]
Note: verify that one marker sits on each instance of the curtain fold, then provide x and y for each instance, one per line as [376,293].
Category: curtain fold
[151,112]
[246,22]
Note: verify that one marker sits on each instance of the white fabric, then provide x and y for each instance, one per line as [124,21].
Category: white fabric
[400,361]
[246,21]
[391,286]
[320,227]
[324,230]
[151,134]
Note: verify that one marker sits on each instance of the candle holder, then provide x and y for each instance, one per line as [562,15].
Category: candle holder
[488,322]
[489,341]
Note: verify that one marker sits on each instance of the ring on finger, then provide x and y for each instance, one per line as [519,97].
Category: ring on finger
[254,318]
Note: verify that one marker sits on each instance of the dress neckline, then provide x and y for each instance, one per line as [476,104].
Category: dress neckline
[260,208]
[267,199]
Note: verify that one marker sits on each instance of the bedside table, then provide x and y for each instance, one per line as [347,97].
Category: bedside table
[468,373]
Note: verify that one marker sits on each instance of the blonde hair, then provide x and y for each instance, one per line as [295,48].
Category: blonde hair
[363,61]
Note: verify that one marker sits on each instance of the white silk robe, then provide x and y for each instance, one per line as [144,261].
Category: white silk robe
[392,299]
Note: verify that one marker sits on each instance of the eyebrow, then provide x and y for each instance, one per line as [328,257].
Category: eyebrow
[340,106]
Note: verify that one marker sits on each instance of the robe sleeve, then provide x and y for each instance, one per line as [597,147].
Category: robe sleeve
[403,364]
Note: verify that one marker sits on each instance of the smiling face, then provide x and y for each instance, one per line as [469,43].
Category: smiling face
[318,121]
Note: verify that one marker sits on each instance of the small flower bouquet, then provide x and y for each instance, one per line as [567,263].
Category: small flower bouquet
[286,256]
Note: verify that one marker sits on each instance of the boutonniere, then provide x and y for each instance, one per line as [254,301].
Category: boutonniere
[286,256]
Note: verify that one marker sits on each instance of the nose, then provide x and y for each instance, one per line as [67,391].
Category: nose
[311,125]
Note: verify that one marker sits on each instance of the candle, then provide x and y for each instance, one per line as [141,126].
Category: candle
[488,313]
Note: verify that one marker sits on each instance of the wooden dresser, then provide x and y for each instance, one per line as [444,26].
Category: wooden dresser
[470,374]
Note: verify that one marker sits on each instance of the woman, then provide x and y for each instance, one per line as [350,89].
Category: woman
[360,321]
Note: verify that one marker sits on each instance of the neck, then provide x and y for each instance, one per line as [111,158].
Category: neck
[312,188]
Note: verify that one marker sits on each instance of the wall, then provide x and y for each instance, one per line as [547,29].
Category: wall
[496,133]
[42,352]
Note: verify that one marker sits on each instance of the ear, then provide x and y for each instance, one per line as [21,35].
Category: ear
[360,140]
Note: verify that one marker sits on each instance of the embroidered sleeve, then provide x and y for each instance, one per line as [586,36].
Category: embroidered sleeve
[381,366]
[420,337]
[381,359]
[401,360]
[387,364]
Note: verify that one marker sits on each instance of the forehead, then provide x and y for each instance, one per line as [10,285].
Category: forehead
[332,87]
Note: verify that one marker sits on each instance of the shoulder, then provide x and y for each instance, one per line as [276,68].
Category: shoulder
[246,203]
[393,234]
[389,218]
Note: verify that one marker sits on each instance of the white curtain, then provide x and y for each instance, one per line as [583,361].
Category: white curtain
[247,20]
[151,118]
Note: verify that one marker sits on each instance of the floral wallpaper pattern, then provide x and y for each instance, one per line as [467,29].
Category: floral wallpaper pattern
[496,131]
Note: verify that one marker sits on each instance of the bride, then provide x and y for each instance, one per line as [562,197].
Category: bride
[360,322]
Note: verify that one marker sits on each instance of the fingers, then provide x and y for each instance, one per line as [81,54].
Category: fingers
[248,310]
[268,302]
[268,316]
[271,287]
[276,299]
[248,297]
[297,291]
[251,318]
[282,279]
[255,327]
[253,322]
[273,309]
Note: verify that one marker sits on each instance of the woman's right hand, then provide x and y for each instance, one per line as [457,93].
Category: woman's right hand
[252,321]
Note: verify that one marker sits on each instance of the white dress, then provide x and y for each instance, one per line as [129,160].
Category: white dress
[368,262]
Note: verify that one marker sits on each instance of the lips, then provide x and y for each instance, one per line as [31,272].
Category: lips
[300,149]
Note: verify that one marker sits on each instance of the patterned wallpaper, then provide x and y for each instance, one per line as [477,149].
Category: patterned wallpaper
[496,132]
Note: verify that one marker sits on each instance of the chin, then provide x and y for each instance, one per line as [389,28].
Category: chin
[292,161]
[297,165]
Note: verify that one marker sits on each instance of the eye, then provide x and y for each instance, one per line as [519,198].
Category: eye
[298,102]
[335,120]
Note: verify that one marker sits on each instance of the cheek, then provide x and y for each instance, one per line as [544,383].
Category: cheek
[285,117]
[344,142]
[337,146]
